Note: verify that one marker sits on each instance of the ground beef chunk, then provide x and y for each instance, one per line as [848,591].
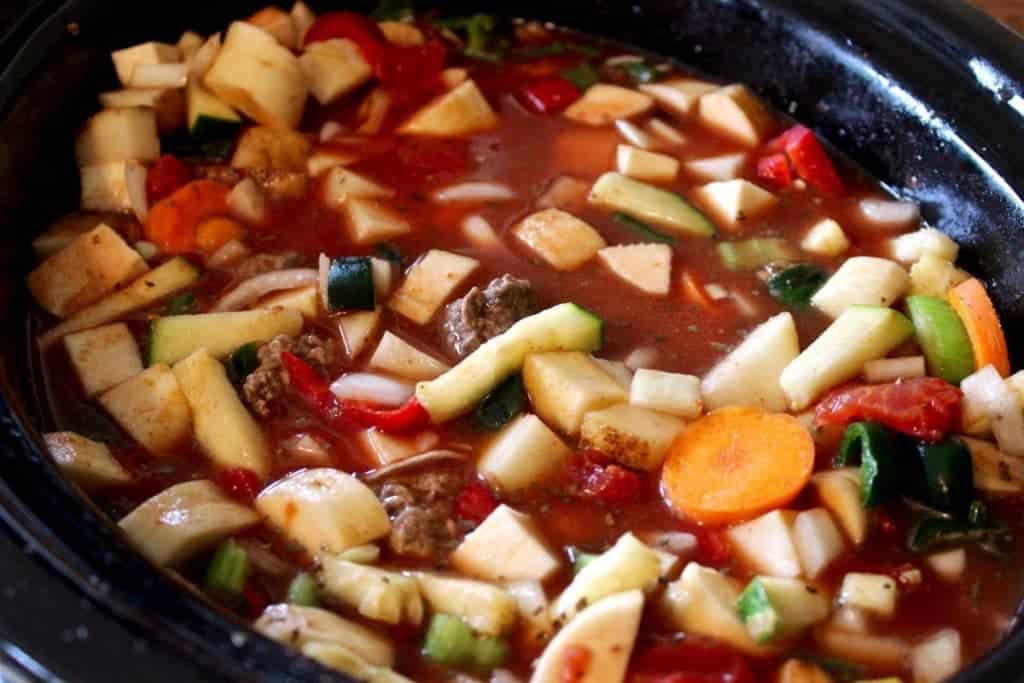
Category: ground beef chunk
[483,314]
[420,508]
[265,385]
[257,264]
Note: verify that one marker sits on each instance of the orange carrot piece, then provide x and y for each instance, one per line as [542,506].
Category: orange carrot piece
[695,292]
[737,463]
[970,300]
[214,233]
[172,222]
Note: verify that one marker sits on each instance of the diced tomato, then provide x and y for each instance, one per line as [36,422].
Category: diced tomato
[691,660]
[240,483]
[407,70]
[594,476]
[475,502]
[575,662]
[351,25]
[925,407]
[809,159]
[775,170]
[256,599]
[548,95]
[166,175]
[712,547]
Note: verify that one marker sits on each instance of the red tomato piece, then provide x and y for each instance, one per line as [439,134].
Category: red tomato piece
[256,599]
[166,175]
[575,663]
[475,502]
[595,476]
[809,159]
[351,25]
[775,170]
[240,483]
[712,547]
[407,70]
[925,407]
[549,95]
[691,660]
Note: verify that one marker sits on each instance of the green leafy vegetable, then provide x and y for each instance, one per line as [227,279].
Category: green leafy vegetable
[642,229]
[794,286]
[303,590]
[394,10]
[181,304]
[948,482]
[583,75]
[501,405]
[880,472]
[242,362]
[228,569]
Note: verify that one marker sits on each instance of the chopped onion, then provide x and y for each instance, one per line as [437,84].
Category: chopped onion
[235,250]
[478,231]
[675,542]
[565,192]
[202,60]
[744,304]
[254,288]
[302,18]
[892,369]
[635,135]
[159,76]
[330,129]
[322,271]
[666,132]
[888,213]
[441,455]
[641,357]
[147,250]
[135,182]
[475,192]
[306,447]
[986,393]
[716,291]
[383,277]
[367,387]
[247,202]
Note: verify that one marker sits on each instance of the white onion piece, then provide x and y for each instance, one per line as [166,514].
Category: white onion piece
[716,291]
[367,387]
[202,60]
[675,542]
[641,357]
[442,455]
[256,287]
[302,18]
[330,129]
[666,132]
[247,202]
[147,250]
[744,304]
[474,192]
[235,250]
[135,182]
[159,76]
[478,231]
[623,59]
[987,393]
[888,212]
[635,135]
[373,111]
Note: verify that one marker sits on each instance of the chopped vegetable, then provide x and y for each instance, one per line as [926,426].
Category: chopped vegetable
[754,253]
[979,317]
[394,10]
[349,284]
[794,286]
[735,201]
[942,337]
[809,160]
[475,503]
[507,545]
[228,569]
[174,337]
[501,405]
[927,408]
[881,475]
[242,362]
[775,170]
[778,609]
[948,481]
[173,221]
[648,203]
[549,94]
[181,304]
[595,478]
[583,75]
[303,590]
[524,453]
[167,174]
[863,281]
[642,229]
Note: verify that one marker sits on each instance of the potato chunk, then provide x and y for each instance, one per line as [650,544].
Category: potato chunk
[151,408]
[429,283]
[525,452]
[399,357]
[602,104]
[648,267]
[633,436]
[678,96]
[127,59]
[370,221]
[334,68]
[86,462]
[736,113]
[460,111]
[103,357]
[121,134]
[735,201]
[507,546]
[565,385]
[559,238]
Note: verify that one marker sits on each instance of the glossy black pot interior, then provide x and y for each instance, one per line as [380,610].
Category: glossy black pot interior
[925,94]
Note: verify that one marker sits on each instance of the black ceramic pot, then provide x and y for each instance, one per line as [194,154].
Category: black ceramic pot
[925,94]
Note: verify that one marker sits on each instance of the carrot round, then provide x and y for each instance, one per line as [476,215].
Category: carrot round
[214,233]
[970,300]
[737,463]
[172,222]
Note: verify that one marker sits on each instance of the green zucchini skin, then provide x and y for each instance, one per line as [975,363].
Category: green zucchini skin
[350,284]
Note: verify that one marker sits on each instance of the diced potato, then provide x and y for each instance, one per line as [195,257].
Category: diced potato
[825,238]
[839,491]
[277,23]
[995,472]
[334,68]
[429,282]
[724,167]
[127,59]
[86,462]
[862,280]
[377,594]
[341,183]
[324,510]
[63,232]
[522,454]
[948,565]
[678,96]
[892,369]
[507,546]
[911,246]
[607,630]
[357,329]
[397,356]
[875,593]
[401,33]
[185,520]
[931,275]
[667,392]
[103,357]
[188,43]
[602,104]
[817,539]
[535,621]
[262,149]
[665,132]
[736,113]
[644,165]
[151,408]
[168,105]
[303,17]
[305,300]
[300,626]
[105,186]
[322,160]
[735,201]
[750,374]
[938,658]
[122,134]
[565,385]
[453,77]
[256,75]
[159,76]
[799,671]
[561,239]
[486,608]
[766,544]
[627,565]
[618,371]
[648,267]
[391,448]
[460,111]
[635,437]
[370,221]
[884,652]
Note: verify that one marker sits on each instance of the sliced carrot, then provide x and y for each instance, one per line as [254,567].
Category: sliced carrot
[172,222]
[979,316]
[214,233]
[694,291]
[737,463]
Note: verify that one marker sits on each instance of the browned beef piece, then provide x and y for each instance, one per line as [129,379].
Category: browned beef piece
[420,507]
[257,264]
[265,385]
[486,313]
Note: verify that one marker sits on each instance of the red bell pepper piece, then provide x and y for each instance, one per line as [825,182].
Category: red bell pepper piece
[595,476]
[317,394]
[549,94]
[809,159]
[350,25]
[475,502]
[691,660]
[166,175]
[775,170]
[240,483]
[924,407]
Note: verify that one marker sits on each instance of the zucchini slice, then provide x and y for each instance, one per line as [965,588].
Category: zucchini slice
[349,284]
[177,336]
[208,117]
[650,204]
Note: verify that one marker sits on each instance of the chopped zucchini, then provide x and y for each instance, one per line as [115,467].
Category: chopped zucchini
[334,68]
[602,104]
[88,463]
[775,609]
[942,337]
[125,134]
[507,546]
[127,59]
[525,452]
[324,510]
[371,222]
[357,329]
[724,167]
[174,337]
[225,430]
[644,202]
[151,408]
[209,118]
[839,491]
[348,284]
[750,374]
[566,385]
[460,111]
[561,239]
[502,405]
[341,183]
[628,565]
[766,544]
[429,283]
[737,113]
[648,267]
[378,594]
[912,246]
[185,520]
[736,201]
[862,280]
[399,357]
[667,392]
[103,357]
[643,165]
[825,238]
[875,593]
[754,253]
[817,539]
[859,334]
[634,436]
[678,96]
[796,285]
[486,608]
[303,626]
